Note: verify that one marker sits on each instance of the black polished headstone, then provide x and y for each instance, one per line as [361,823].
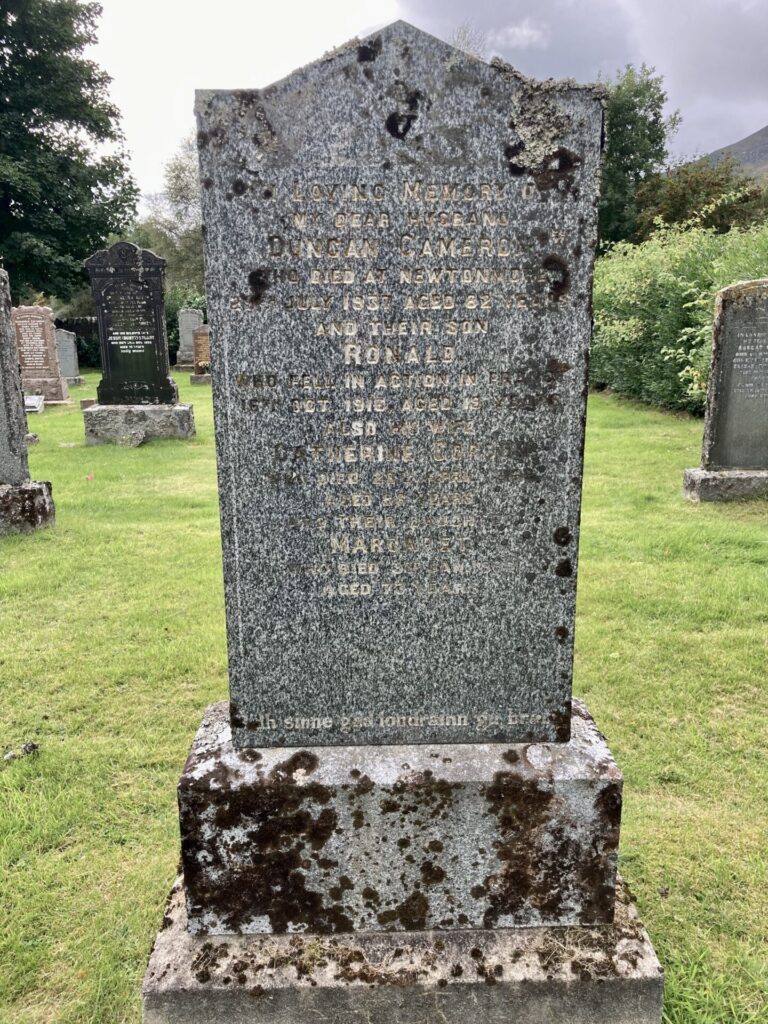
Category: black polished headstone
[127,284]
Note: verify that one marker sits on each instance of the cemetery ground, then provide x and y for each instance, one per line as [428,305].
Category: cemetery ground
[114,643]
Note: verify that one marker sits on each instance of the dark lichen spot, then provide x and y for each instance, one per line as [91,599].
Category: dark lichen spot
[239,187]
[207,183]
[564,568]
[435,846]
[411,913]
[400,122]
[431,873]
[561,632]
[355,773]
[477,892]
[559,276]
[442,982]
[562,536]
[556,367]
[258,282]
[404,843]
[511,152]
[369,51]
[556,170]
[510,756]
[456,971]
[475,953]
[302,760]
[267,193]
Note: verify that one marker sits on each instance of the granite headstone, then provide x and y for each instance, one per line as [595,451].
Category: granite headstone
[189,321]
[734,461]
[38,353]
[24,504]
[68,361]
[127,284]
[402,313]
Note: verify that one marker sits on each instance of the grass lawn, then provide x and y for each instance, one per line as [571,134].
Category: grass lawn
[113,643]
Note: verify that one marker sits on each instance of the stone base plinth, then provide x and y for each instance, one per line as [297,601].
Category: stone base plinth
[53,389]
[75,382]
[185,367]
[26,507]
[134,424]
[200,378]
[724,484]
[601,975]
[398,838]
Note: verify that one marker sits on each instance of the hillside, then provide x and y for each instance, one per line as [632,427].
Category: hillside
[751,153]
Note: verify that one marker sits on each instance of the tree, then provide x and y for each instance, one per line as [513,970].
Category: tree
[637,138]
[718,196]
[173,226]
[59,200]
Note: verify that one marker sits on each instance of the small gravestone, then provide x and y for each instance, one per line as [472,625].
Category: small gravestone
[201,342]
[67,345]
[399,250]
[734,461]
[38,353]
[189,321]
[24,504]
[137,398]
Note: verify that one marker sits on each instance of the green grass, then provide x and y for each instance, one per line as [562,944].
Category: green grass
[113,643]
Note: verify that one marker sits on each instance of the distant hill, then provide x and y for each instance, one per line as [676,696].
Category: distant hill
[751,153]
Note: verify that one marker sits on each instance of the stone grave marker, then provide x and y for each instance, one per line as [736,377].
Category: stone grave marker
[24,504]
[137,398]
[201,341]
[399,251]
[189,321]
[734,461]
[38,354]
[70,367]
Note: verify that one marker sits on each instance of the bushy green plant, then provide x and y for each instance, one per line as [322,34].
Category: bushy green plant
[654,307]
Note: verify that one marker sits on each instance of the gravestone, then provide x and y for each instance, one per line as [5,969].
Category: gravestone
[24,504]
[189,321]
[38,353]
[734,461]
[399,251]
[67,346]
[201,345]
[137,398]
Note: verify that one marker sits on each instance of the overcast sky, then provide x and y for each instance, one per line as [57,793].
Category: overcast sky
[713,54]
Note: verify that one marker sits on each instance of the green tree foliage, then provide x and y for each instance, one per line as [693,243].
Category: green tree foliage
[59,199]
[727,195]
[173,225]
[636,146]
[654,307]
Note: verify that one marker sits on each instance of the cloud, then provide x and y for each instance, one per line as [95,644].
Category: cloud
[522,35]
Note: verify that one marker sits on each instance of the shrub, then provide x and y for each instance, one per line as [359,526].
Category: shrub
[654,307]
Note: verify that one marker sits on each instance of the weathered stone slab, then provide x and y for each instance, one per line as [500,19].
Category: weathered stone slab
[402,838]
[736,425]
[34,403]
[189,321]
[399,249]
[14,468]
[70,367]
[127,284]
[26,506]
[38,354]
[607,975]
[724,484]
[132,425]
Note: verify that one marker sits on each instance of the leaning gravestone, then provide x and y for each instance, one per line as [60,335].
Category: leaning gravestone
[734,461]
[189,321]
[70,367]
[400,815]
[137,399]
[24,504]
[201,347]
[38,353]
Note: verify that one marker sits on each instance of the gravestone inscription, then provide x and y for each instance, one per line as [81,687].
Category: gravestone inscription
[127,284]
[38,353]
[734,461]
[402,315]
[189,321]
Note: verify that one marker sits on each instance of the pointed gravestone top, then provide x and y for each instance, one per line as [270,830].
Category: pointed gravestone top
[399,250]
[127,284]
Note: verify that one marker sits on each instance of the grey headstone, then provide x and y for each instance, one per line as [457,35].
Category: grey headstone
[13,424]
[189,321]
[67,345]
[127,284]
[399,250]
[38,353]
[736,430]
